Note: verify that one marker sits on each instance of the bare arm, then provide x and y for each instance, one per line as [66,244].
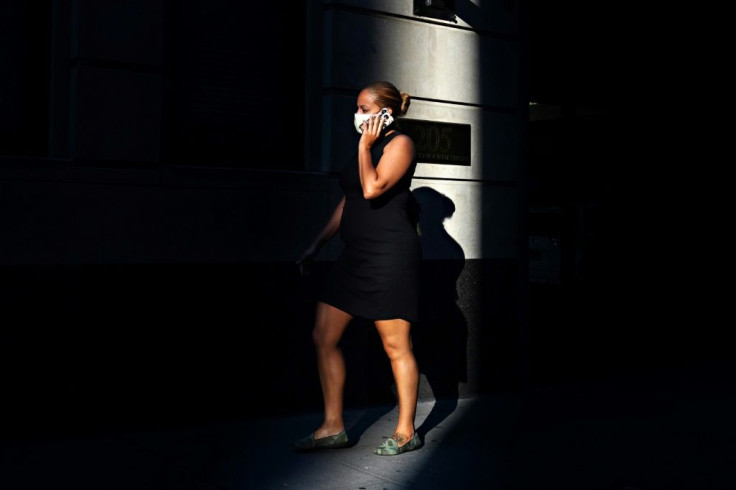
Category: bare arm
[329,230]
[394,163]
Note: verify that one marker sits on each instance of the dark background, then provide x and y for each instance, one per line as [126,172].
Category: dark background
[107,342]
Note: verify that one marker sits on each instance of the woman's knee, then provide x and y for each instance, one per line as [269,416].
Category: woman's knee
[397,348]
[324,336]
[327,333]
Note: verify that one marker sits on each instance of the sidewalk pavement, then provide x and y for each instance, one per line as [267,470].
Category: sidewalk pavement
[660,431]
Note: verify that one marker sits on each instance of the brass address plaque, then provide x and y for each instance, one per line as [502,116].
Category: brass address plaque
[439,142]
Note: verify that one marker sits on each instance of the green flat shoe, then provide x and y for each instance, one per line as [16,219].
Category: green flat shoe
[392,448]
[309,443]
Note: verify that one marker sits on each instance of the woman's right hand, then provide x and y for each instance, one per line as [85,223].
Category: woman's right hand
[305,260]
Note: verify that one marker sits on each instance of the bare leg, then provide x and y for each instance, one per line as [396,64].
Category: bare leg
[397,344]
[329,325]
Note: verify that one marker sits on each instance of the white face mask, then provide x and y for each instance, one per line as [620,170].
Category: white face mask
[359,119]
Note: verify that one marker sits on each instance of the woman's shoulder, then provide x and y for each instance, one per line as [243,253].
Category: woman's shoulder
[394,132]
[397,138]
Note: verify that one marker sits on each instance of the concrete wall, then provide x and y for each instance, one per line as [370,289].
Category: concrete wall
[467,73]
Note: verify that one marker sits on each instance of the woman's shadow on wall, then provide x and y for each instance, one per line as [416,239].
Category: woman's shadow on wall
[440,336]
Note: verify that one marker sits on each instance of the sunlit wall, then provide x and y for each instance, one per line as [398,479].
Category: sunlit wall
[464,72]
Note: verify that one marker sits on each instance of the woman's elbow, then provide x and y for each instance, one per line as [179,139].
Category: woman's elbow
[372,192]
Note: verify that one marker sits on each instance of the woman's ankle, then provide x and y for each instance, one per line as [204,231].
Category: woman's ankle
[328,430]
[402,436]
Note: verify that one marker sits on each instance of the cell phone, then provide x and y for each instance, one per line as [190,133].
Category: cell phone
[386,116]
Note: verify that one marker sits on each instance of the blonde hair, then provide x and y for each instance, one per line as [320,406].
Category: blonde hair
[385,94]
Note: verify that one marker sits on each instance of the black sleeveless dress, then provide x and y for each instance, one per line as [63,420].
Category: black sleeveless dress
[376,276]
